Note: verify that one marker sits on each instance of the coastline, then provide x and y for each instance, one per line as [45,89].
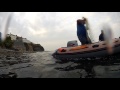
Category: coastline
[7,52]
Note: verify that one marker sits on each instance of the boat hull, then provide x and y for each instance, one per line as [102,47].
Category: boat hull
[98,53]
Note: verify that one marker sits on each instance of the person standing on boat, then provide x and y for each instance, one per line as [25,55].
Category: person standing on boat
[101,37]
[82,32]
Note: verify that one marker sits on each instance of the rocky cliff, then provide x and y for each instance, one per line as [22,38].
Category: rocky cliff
[28,47]
[37,47]
[19,45]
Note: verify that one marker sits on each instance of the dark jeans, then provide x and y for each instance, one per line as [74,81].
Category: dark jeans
[84,40]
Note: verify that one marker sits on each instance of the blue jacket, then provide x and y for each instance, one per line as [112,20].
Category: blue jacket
[81,30]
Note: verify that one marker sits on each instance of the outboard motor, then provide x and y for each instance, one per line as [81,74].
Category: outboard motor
[72,43]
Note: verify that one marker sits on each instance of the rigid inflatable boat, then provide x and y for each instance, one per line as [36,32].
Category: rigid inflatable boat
[98,49]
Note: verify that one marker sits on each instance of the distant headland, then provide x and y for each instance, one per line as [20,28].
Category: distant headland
[17,43]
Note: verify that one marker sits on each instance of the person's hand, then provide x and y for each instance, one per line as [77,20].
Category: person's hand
[84,18]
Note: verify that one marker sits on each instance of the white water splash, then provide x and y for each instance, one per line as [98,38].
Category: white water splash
[108,34]
[5,24]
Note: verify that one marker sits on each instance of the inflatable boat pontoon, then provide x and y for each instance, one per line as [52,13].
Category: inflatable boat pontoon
[94,50]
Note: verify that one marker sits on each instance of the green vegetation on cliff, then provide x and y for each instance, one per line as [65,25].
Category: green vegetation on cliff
[7,43]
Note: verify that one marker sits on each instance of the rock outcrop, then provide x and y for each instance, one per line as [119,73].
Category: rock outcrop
[37,47]
[19,45]
[28,47]
[9,75]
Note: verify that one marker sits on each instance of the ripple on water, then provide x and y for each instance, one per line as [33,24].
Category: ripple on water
[43,65]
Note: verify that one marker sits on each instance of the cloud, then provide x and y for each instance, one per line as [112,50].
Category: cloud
[41,32]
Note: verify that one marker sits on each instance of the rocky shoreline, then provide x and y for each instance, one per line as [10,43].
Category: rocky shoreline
[5,52]
[10,58]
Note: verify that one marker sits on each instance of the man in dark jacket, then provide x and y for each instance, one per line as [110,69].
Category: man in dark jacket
[82,32]
[101,37]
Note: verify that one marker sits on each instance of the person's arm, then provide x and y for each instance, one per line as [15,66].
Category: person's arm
[87,25]
[86,22]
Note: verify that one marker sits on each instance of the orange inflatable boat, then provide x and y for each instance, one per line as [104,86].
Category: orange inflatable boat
[98,49]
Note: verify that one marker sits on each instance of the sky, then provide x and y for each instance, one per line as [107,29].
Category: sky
[54,29]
